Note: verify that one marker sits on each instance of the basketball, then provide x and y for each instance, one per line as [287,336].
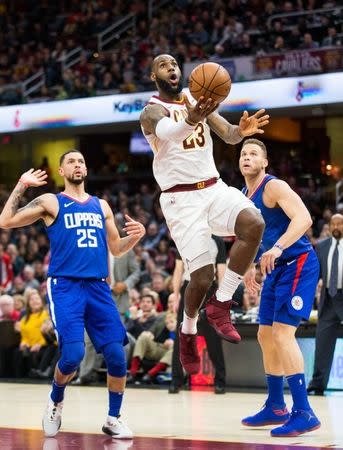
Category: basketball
[210,80]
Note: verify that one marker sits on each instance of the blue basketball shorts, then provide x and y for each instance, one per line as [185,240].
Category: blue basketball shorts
[79,304]
[288,292]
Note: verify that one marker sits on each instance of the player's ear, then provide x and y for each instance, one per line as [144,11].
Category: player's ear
[153,76]
[265,163]
[60,171]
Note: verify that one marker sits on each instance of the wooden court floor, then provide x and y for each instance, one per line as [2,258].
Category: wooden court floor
[195,420]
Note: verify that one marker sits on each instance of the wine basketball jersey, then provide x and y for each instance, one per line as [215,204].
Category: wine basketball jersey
[184,162]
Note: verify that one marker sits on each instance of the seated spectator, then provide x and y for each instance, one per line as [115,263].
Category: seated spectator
[17,261]
[308,42]
[332,39]
[142,318]
[152,237]
[158,285]
[18,287]
[19,304]
[33,343]
[29,278]
[155,345]
[7,310]
[50,356]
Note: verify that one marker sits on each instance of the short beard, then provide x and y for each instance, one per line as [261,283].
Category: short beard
[76,181]
[337,234]
[166,88]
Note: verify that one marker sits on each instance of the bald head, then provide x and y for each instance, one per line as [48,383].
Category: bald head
[336,226]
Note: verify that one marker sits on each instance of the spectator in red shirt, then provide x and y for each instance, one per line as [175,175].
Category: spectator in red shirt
[6,271]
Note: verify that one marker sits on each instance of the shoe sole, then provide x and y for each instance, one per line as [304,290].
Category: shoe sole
[296,433]
[107,431]
[246,424]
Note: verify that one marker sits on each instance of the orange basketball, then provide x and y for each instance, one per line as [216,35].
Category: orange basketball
[210,80]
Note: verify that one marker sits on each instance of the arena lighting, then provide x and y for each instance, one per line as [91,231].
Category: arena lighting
[328,167]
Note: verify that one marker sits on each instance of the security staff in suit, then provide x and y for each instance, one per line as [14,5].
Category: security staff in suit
[330,307]
[214,345]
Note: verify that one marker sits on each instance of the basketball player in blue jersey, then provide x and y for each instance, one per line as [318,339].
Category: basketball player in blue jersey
[81,228]
[291,268]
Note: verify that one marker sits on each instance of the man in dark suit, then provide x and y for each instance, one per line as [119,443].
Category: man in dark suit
[330,307]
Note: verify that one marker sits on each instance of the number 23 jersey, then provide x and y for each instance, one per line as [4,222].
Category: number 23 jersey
[78,242]
[184,162]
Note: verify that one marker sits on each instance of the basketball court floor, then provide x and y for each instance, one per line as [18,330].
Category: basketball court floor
[195,420]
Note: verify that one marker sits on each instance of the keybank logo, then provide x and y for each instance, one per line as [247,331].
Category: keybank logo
[129,107]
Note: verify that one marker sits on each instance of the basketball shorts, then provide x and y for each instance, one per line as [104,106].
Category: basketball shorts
[193,216]
[77,304]
[288,292]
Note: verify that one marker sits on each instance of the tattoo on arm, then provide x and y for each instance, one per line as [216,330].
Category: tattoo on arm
[35,202]
[151,115]
[17,195]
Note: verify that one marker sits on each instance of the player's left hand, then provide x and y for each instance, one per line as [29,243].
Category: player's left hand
[268,258]
[133,228]
[253,124]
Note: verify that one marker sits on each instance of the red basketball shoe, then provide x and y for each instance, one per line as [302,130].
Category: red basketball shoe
[189,355]
[218,316]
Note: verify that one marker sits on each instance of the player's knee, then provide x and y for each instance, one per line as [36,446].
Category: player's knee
[249,225]
[115,359]
[264,337]
[71,357]
[203,277]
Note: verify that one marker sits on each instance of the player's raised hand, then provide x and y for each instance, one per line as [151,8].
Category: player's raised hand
[249,125]
[250,281]
[199,111]
[268,258]
[133,228]
[34,178]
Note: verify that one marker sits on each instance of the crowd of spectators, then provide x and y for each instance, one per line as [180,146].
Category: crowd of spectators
[37,35]
[141,283]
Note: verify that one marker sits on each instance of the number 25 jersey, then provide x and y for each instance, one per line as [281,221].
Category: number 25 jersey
[184,162]
[78,242]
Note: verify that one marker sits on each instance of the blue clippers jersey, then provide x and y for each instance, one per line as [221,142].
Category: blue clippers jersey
[78,240]
[276,225]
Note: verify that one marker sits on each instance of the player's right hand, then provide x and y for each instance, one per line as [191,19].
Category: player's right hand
[201,110]
[250,282]
[34,178]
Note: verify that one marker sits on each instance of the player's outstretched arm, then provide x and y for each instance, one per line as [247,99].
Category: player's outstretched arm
[278,193]
[233,134]
[39,208]
[119,246]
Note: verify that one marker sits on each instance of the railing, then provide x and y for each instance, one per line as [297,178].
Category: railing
[302,13]
[339,194]
[71,58]
[33,83]
[115,31]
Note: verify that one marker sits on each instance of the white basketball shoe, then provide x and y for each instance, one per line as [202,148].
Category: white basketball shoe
[52,418]
[117,429]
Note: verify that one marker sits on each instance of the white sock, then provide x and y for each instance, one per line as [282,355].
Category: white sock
[189,324]
[229,284]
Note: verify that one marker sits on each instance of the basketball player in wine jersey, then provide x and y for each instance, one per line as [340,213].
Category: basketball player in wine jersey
[195,202]
[80,228]
[292,271]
